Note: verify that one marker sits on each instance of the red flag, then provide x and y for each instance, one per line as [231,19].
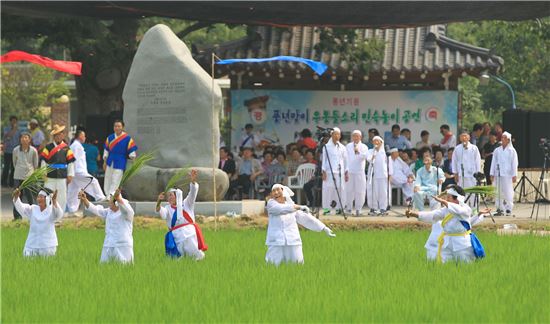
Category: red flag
[63,66]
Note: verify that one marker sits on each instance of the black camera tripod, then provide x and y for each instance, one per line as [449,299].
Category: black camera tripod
[540,200]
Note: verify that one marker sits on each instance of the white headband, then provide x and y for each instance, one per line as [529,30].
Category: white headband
[377,138]
[393,150]
[459,197]
[507,135]
[287,192]
[47,196]
[336,129]
[358,132]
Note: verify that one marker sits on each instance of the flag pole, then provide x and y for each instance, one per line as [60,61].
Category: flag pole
[214,147]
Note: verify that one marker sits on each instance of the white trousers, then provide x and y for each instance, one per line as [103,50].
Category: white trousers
[189,247]
[329,191]
[418,200]
[61,186]
[464,255]
[276,254]
[356,191]
[45,252]
[78,183]
[112,180]
[377,193]
[405,186]
[504,197]
[122,254]
[467,183]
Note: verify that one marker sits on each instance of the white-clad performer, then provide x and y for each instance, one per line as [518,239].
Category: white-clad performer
[454,242]
[379,173]
[465,163]
[432,244]
[184,237]
[42,239]
[402,176]
[504,169]
[119,243]
[283,241]
[334,163]
[357,184]
[82,179]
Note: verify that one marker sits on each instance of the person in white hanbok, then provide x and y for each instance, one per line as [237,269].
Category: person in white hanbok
[402,177]
[504,171]
[466,162]
[454,241]
[82,180]
[42,239]
[334,173]
[283,240]
[184,237]
[119,243]
[379,175]
[356,188]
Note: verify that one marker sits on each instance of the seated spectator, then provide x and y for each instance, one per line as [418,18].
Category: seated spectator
[447,169]
[294,162]
[425,152]
[396,139]
[226,164]
[405,155]
[372,133]
[425,140]
[407,133]
[310,157]
[438,158]
[448,140]
[307,140]
[246,172]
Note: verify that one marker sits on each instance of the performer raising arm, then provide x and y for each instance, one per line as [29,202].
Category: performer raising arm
[184,237]
[42,239]
[283,241]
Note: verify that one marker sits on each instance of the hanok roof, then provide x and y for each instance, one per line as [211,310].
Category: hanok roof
[419,49]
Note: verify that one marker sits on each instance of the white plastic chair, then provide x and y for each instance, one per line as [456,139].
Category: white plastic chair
[304,173]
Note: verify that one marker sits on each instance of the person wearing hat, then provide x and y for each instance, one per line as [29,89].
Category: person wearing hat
[119,243]
[427,184]
[504,169]
[379,175]
[402,177]
[82,180]
[184,237]
[118,148]
[42,239]
[334,169]
[466,162]
[59,157]
[283,240]
[356,188]
[37,135]
[456,238]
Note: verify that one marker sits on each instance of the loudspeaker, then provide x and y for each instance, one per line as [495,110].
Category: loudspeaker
[516,122]
[538,127]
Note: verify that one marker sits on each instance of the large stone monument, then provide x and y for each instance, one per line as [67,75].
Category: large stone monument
[168,108]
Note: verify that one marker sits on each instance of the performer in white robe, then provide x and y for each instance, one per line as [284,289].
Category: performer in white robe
[454,242]
[465,163]
[337,167]
[402,177]
[283,241]
[42,239]
[82,179]
[427,184]
[432,244]
[504,171]
[357,185]
[184,237]
[119,243]
[379,173]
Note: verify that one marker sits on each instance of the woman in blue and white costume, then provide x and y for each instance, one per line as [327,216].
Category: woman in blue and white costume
[119,217]
[42,239]
[455,240]
[432,244]
[184,237]
[283,241]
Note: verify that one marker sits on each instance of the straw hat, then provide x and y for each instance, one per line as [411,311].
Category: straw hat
[56,129]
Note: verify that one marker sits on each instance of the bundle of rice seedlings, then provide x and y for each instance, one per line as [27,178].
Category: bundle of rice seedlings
[482,190]
[137,164]
[176,177]
[35,180]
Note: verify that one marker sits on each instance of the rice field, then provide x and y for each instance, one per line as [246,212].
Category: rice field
[360,276]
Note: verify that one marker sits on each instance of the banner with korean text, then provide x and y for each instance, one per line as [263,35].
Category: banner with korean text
[278,116]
